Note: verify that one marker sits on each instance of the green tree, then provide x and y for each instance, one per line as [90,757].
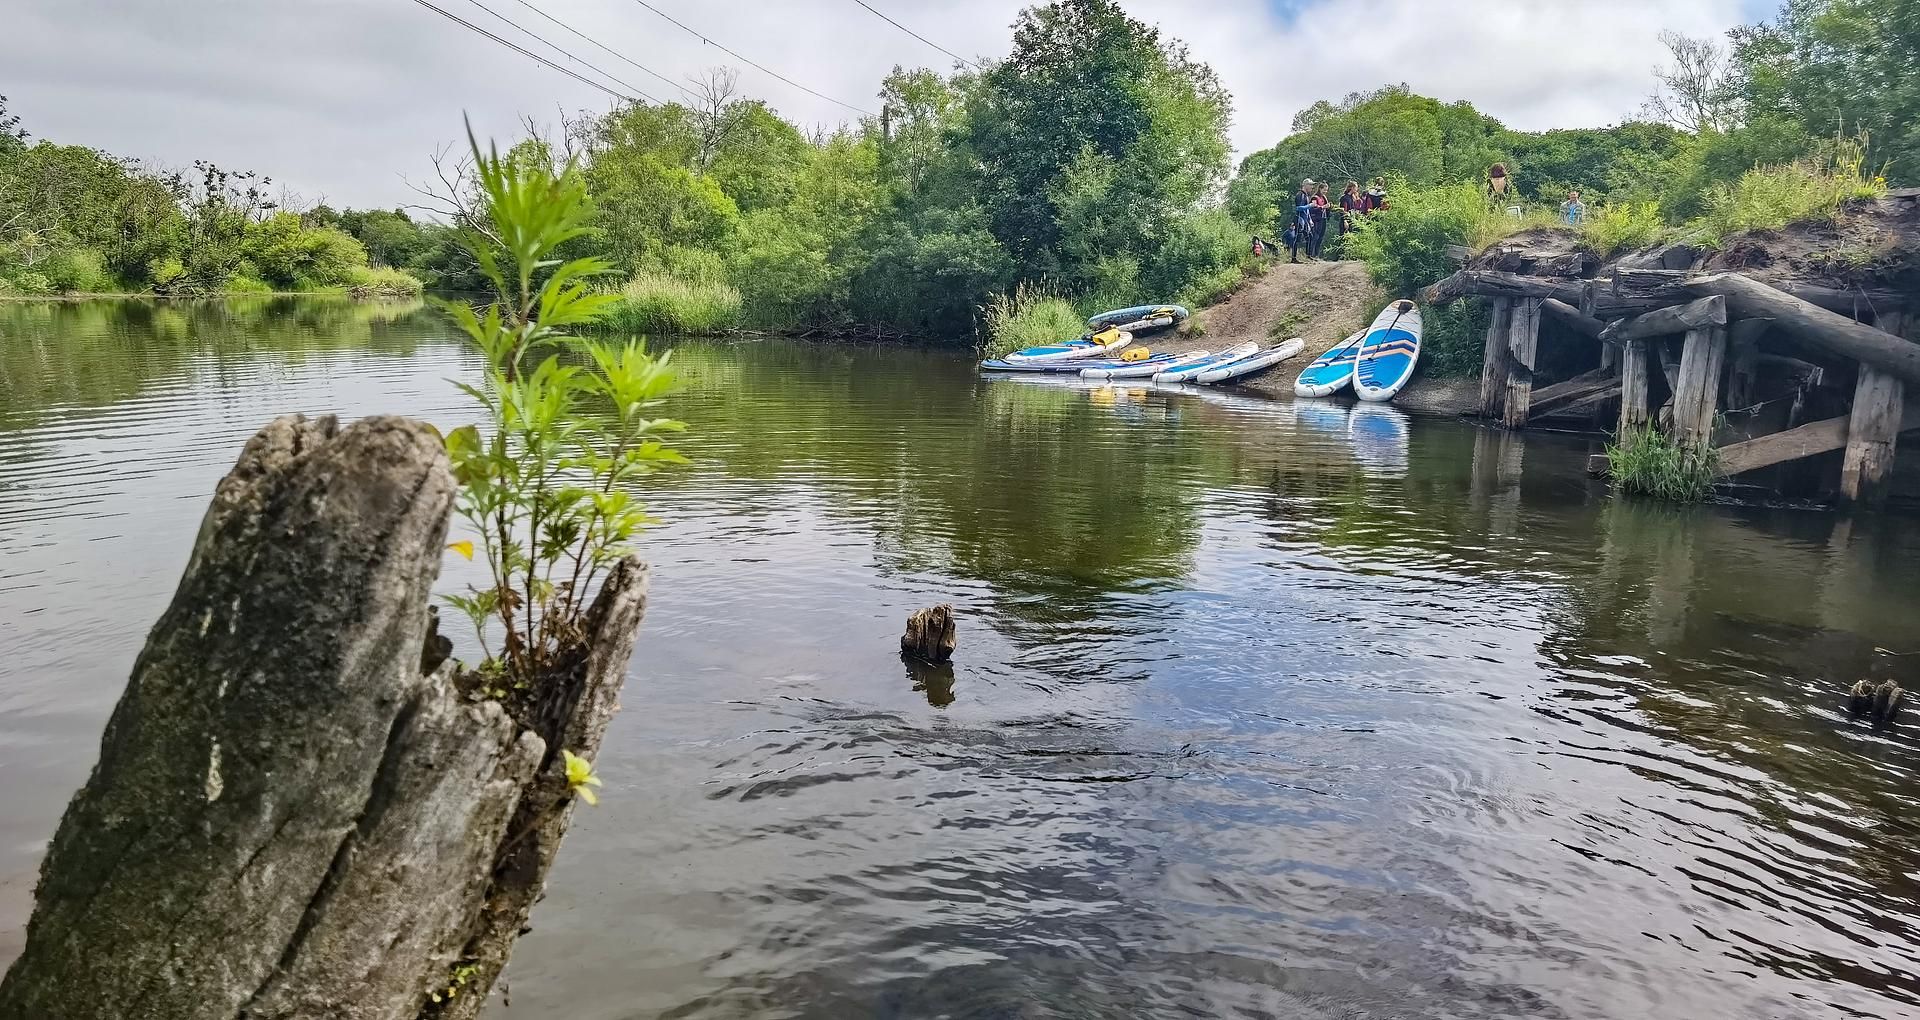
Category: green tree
[1837,67]
[1085,81]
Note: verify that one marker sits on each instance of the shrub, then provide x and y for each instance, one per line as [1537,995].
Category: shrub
[1453,338]
[242,283]
[77,269]
[382,282]
[1625,226]
[658,303]
[1031,316]
[1648,462]
[1771,197]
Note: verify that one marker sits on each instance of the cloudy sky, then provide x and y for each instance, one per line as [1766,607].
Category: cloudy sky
[345,99]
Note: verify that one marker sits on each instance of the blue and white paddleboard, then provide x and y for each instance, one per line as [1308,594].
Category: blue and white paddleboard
[1192,369]
[1330,372]
[1258,361]
[1144,317]
[1093,345]
[1386,357]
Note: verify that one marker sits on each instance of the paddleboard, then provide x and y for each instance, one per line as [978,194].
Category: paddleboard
[1148,317]
[1093,345]
[1330,372]
[1254,363]
[1142,369]
[1386,357]
[1074,366]
[1186,372]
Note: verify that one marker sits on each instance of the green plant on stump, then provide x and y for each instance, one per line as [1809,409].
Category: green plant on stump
[568,428]
[1648,462]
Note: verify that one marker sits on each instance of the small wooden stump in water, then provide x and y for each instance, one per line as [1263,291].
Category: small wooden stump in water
[930,635]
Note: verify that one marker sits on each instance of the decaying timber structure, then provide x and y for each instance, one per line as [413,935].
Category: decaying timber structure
[1780,349]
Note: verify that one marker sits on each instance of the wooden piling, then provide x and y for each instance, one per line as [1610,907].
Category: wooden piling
[1634,409]
[1493,370]
[1696,396]
[1873,428]
[1524,344]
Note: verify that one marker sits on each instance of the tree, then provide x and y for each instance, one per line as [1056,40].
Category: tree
[1084,81]
[1698,92]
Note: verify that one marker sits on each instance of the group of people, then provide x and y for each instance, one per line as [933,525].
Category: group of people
[1312,210]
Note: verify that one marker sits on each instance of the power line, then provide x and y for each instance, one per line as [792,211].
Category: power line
[737,56]
[607,48]
[523,51]
[916,35]
[578,60]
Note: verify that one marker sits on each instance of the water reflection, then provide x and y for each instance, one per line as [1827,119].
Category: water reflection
[1260,709]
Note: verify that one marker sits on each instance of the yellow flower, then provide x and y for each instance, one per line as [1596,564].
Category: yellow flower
[464,547]
[580,776]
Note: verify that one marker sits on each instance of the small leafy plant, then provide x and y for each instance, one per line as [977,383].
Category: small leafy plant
[568,427]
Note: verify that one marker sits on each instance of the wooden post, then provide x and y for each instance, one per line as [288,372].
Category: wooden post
[1524,337]
[1873,428]
[1743,361]
[1493,369]
[1634,409]
[1696,397]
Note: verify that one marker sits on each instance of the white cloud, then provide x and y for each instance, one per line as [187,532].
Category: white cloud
[342,97]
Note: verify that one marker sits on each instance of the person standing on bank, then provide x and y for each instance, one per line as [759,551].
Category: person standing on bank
[1300,231]
[1573,210]
[1352,204]
[1497,184]
[1317,229]
[1377,195]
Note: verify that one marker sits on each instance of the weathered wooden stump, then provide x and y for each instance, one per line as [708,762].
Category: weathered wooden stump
[289,818]
[931,634]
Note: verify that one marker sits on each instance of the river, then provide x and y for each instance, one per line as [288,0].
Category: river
[1261,709]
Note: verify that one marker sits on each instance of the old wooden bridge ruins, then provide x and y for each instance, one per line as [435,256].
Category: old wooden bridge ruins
[1763,356]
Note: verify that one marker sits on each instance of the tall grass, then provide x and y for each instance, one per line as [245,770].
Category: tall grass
[1032,315]
[1648,462]
[382,282]
[1809,190]
[658,303]
[1625,226]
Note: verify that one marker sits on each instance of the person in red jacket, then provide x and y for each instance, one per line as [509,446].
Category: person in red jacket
[1352,204]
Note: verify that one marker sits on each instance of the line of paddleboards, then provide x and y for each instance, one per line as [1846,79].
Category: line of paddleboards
[1208,367]
[1377,361]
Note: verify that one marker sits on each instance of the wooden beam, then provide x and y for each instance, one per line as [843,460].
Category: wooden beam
[1580,388]
[1833,333]
[1696,398]
[1579,321]
[1525,346]
[1489,283]
[1669,286]
[1807,440]
[1699,314]
[1634,409]
[1493,369]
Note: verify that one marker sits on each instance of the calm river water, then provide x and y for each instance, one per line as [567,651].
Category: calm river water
[1261,709]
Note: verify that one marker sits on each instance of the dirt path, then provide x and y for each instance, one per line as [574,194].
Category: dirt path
[1322,303]
[1319,302]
